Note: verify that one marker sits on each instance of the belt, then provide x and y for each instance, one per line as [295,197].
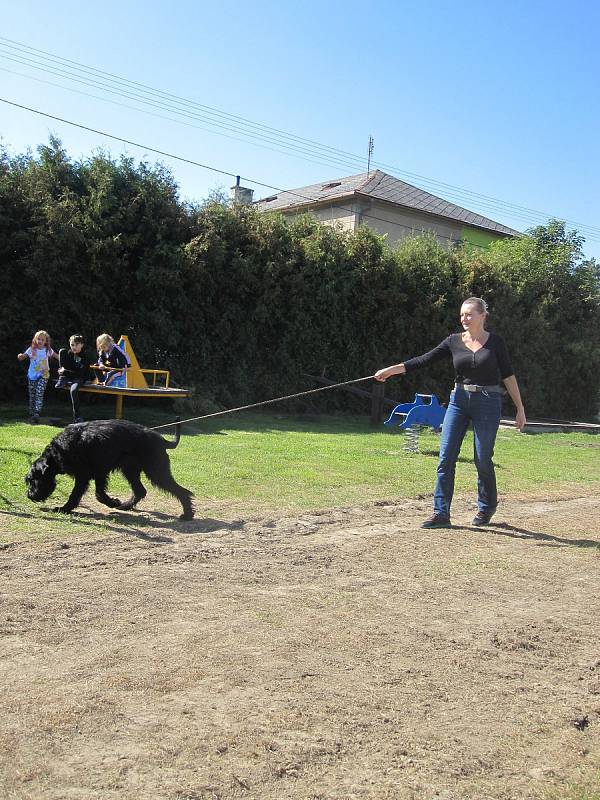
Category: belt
[473,387]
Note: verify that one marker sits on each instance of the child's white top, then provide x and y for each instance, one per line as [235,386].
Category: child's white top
[38,364]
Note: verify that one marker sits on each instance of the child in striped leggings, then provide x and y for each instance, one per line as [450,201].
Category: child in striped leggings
[39,354]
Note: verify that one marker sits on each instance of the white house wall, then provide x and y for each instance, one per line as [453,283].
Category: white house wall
[398,223]
[393,221]
[338,216]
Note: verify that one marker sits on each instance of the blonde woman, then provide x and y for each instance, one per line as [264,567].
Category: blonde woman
[482,371]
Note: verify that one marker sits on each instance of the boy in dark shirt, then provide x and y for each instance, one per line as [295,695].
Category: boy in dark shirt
[74,371]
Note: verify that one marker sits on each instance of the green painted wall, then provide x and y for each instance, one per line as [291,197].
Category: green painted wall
[477,237]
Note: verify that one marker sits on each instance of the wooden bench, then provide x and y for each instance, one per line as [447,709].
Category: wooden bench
[136,383]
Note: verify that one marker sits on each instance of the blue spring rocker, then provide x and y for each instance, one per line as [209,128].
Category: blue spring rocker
[419,412]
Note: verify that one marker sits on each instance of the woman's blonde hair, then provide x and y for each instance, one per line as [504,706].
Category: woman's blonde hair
[104,340]
[478,302]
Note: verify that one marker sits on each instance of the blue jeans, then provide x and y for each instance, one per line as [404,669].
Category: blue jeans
[483,411]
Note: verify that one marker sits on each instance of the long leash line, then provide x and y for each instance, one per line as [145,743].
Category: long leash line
[231,411]
[264,403]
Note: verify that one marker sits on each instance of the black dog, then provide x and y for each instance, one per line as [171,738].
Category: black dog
[92,450]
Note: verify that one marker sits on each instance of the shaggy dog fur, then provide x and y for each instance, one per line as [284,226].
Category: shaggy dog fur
[92,450]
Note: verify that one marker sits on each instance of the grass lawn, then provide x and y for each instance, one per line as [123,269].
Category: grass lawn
[255,463]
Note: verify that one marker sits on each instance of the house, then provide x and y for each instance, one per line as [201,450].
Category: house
[389,206]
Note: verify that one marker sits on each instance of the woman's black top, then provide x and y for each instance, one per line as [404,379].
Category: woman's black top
[487,367]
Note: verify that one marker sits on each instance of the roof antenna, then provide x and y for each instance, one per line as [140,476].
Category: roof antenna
[370,154]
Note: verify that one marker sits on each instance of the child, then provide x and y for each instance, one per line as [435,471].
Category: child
[74,371]
[39,354]
[111,359]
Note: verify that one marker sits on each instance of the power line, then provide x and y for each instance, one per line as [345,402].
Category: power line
[170,97]
[170,119]
[150,102]
[333,156]
[354,164]
[527,217]
[199,164]
[305,197]
[524,217]
[127,141]
[255,138]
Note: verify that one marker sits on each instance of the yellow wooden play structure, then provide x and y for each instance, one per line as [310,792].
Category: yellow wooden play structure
[134,382]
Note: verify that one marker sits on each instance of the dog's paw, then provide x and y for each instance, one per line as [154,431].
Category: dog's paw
[186,516]
[62,509]
[111,502]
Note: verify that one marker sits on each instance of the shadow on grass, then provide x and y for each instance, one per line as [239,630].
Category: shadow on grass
[256,423]
[58,414]
[460,459]
[543,539]
[52,414]
[129,524]
[158,520]
[29,455]
[84,521]
[208,524]
[16,511]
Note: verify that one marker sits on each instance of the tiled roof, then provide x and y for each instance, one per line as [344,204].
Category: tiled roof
[380,186]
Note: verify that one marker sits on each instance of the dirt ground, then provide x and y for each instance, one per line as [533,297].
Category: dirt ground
[326,656]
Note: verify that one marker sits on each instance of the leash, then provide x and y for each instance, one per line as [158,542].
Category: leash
[264,403]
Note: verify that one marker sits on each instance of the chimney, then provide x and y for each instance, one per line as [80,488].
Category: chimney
[239,195]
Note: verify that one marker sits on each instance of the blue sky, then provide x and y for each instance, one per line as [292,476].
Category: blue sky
[499,100]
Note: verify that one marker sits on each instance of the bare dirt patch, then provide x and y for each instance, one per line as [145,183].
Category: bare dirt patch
[333,655]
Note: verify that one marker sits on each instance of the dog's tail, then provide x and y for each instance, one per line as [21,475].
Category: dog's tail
[171,445]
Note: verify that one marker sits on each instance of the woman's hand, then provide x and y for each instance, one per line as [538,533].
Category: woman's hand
[387,372]
[21,356]
[515,395]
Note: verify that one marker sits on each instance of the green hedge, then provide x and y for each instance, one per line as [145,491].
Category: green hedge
[241,305]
